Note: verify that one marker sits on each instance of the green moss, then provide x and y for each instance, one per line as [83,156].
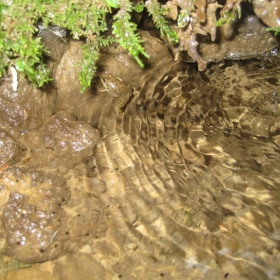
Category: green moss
[276,30]
[156,11]
[18,46]
[225,18]
[126,32]
[87,20]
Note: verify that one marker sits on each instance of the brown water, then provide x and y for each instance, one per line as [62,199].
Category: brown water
[198,154]
[185,183]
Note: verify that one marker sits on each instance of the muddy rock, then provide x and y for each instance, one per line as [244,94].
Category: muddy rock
[250,41]
[268,11]
[66,80]
[8,148]
[89,106]
[26,108]
[62,133]
[61,141]
[55,40]
[32,215]
[241,39]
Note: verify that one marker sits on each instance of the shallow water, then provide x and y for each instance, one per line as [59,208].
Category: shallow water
[187,178]
[192,170]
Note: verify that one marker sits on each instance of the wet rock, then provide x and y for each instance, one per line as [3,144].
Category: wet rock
[61,141]
[249,40]
[26,108]
[55,40]
[8,148]
[41,221]
[84,214]
[268,12]
[32,215]
[113,59]
[68,70]
[243,39]
[63,133]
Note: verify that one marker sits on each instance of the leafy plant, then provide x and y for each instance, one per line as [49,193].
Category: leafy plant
[90,56]
[18,46]
[276,30]
[125,32]
[155,9]
[21,48]
[225,18]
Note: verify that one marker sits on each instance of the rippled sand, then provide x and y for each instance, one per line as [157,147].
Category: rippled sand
[186,180]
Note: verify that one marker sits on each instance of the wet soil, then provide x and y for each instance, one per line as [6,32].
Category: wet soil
[184,183]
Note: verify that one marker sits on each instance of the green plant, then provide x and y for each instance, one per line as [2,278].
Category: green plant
[125,32]
[276,30]
[19,46]
[225,18]
[156,11]
[21,49]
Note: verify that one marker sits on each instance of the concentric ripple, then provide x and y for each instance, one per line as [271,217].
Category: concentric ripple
[192,174]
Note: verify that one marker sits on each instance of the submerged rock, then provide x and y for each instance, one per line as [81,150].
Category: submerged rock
[32,215]
[62,141]
[9,148]
[26,108]
[63,133]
